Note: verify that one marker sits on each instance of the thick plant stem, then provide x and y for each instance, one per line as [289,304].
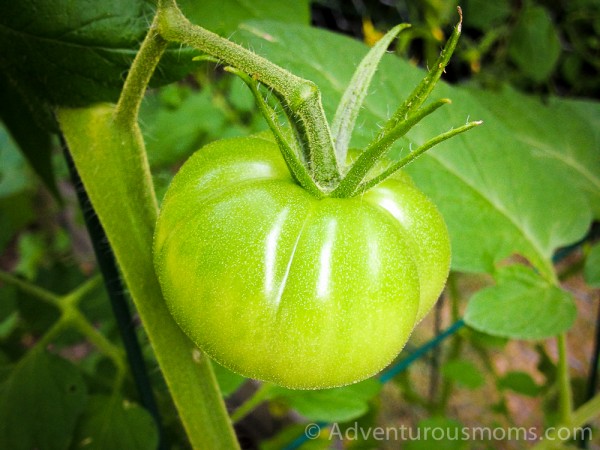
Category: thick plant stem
[118,299]
[111,161]
[108,151]
[564,381]
[302,98]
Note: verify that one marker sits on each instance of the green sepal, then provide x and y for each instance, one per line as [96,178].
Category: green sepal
[356,92]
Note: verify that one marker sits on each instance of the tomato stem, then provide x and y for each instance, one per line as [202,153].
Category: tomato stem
[582,415]
[301,98]
[261,395]
[290,156]
[95,139]
[139,75]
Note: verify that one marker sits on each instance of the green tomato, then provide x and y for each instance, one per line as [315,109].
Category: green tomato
[278,285]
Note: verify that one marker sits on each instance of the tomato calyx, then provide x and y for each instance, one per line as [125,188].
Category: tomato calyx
[314,152]
[353,180]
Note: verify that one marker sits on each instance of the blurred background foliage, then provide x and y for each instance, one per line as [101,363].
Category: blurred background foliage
[545,47]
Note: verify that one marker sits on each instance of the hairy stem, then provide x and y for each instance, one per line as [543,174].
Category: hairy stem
[118,299]
[109,153]
[302,98]
[295,166]
[95,141]
[139,75]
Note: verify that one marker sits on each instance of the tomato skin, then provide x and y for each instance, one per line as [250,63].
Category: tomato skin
[278,285]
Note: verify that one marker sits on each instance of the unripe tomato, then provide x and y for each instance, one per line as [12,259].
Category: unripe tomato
[278,285]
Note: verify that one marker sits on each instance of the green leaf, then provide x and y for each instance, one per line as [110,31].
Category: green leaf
[534,44]
[519,382]
[356,92]
[76,53]
[16,212]
[40,403]
[14,173]
[8,315]
[330,405]
[564,133]
[499,193]
[463,372]
[173,132]
[32,254]
[5,367]
[111,422]
[16,190]
[591,270]
[34,141]
[521,306]
[224,16]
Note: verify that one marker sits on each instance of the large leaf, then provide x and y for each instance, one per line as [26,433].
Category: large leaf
[521,306]
[75,53]
[498,193]
[564,133]
[113,422]
[224,16]
[40,403]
